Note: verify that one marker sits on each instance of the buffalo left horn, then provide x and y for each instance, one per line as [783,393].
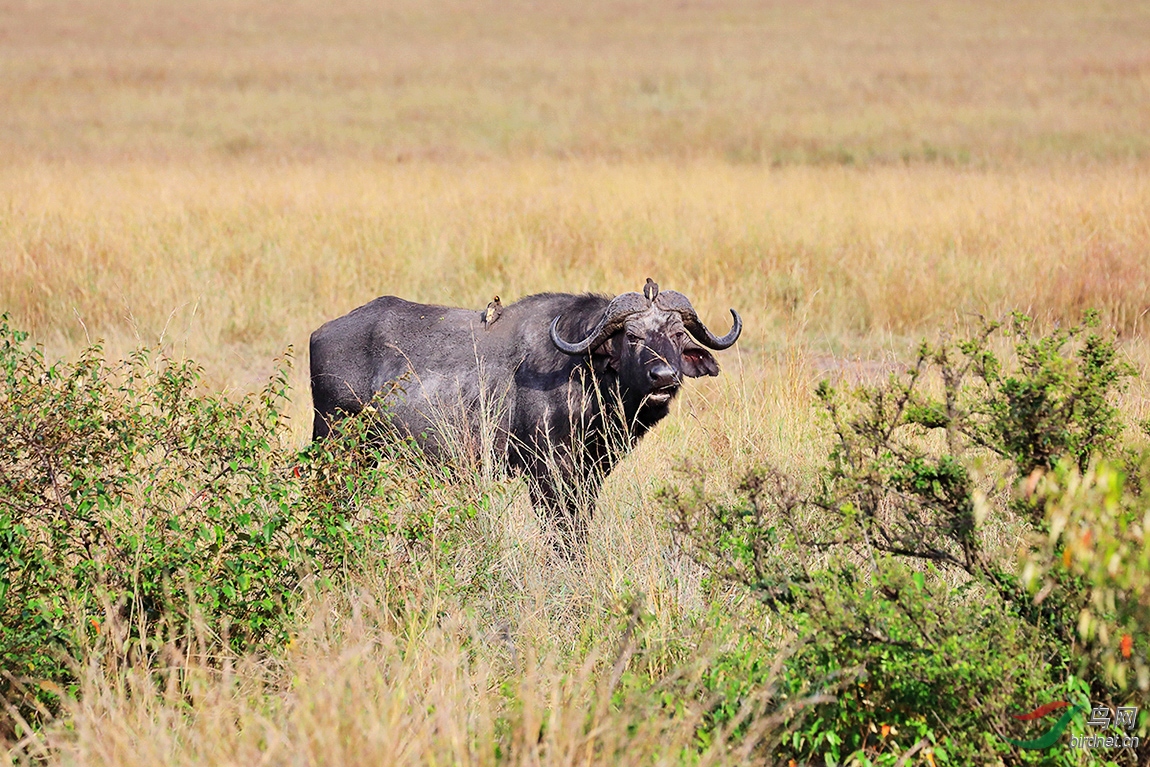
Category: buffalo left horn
[616,313]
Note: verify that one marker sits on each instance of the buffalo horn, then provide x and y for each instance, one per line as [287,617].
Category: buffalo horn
[616,313]
[673,301]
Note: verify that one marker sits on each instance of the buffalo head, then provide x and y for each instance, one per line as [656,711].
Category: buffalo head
[651,340]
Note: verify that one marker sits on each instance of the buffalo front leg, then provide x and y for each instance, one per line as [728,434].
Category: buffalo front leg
[564,505]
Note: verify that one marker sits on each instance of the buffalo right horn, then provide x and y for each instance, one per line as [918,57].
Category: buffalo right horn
[616,313]
[674,301]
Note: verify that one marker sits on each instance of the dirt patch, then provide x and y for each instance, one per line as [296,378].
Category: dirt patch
[852,370]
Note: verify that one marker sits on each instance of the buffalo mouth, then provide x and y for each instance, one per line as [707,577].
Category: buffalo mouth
[662,395]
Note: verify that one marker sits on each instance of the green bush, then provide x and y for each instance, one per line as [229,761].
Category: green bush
[1095,545]
[129,495]
[895,567]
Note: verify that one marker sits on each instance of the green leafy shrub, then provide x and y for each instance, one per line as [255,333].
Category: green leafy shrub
[1057,404]
[1095,543]
[127,493]
[897,565]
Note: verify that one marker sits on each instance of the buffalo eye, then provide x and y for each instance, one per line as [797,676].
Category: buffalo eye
[634,340]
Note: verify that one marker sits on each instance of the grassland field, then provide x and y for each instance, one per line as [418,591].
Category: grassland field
[221,177]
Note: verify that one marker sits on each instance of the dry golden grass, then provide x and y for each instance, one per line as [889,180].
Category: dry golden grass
[359,687]
[828,81]
[222,177]
[234,261]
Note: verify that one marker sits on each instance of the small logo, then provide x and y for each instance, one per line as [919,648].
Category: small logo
[1123,717]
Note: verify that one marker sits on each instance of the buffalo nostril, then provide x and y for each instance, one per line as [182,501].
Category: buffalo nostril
[662,375]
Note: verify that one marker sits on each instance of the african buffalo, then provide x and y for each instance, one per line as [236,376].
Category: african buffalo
[557,386]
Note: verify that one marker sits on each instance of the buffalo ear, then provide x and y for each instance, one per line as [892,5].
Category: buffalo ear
[698,362]
[606,355]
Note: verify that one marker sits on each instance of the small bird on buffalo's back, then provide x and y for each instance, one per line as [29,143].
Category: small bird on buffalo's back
[492,312]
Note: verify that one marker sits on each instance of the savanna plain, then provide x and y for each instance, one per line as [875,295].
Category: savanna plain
[214,180]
